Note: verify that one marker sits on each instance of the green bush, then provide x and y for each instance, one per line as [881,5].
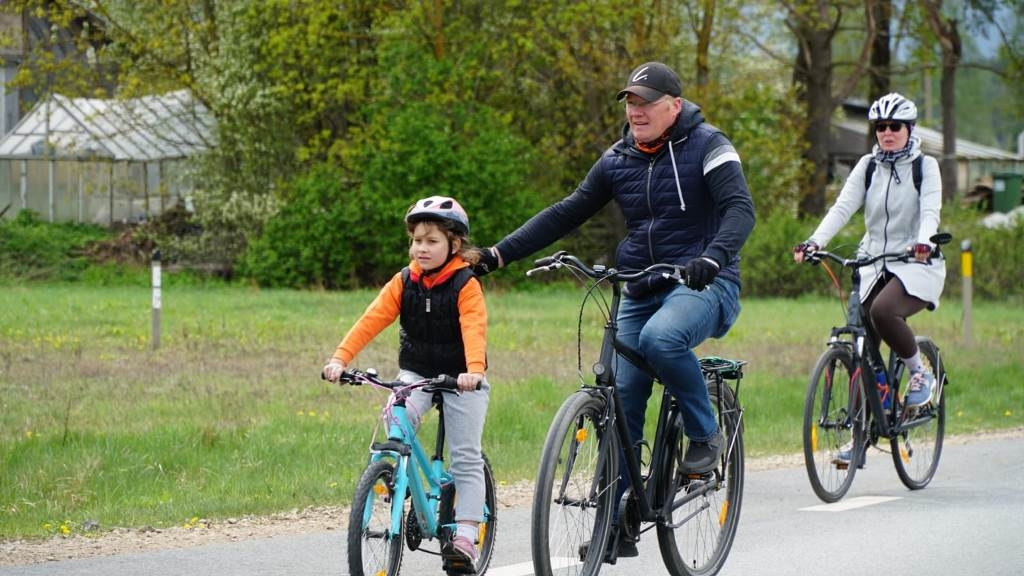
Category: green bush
[336,234]
[767,258]
[320,236]
[998,261]
[32,249]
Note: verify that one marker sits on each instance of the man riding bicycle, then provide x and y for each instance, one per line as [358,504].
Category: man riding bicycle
[680,186]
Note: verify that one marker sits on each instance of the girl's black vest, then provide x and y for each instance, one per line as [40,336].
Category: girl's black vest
[430,334]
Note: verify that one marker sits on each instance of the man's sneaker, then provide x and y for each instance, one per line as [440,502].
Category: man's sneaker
[919,389]
[702,457]
[626,549]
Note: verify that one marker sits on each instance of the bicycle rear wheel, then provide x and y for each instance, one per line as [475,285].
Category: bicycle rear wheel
[705,513]
[373,548]
[916,451]
[486,531]
[575,493]
[834,416]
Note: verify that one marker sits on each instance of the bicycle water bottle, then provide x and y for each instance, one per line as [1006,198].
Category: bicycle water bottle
[883,389]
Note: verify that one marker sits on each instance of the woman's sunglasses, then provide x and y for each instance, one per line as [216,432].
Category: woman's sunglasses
[891,126]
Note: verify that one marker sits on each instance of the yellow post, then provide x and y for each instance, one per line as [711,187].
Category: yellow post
[966,272]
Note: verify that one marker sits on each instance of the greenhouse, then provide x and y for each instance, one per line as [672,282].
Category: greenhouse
[104,162]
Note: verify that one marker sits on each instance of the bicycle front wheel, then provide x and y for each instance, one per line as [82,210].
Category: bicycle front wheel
[703,514]
[916,450]
[834,413]
[374,549]
[575,493]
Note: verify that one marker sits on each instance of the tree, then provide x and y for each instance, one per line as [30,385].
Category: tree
[948,36]
[815,24]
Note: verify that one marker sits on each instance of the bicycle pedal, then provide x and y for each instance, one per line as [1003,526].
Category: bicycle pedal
[453,562]
[458,567]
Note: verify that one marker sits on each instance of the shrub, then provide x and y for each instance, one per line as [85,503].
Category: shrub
[32,249]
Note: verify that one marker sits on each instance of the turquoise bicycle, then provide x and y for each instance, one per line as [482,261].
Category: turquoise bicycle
[406,498]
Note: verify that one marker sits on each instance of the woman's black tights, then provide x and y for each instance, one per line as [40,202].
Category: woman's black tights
[889,306]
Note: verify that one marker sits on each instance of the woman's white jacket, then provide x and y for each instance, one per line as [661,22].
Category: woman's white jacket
[896,216]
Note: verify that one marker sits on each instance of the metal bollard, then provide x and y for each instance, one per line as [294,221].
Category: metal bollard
[966,272]
[156,299]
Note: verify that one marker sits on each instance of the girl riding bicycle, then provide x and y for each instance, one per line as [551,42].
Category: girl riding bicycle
[440,305]
[897,215]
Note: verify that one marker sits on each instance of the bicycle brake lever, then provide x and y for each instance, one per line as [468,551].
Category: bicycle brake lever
[545,268]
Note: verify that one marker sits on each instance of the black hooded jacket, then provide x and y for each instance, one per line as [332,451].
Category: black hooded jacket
[689,199]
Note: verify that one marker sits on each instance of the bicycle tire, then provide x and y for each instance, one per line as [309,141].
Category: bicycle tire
[487,530]
[700,546]
[833,423]
[916,451]
[373,550]
[575,490]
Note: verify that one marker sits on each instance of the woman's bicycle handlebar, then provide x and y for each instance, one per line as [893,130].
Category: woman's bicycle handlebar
[600,272]
[816,256]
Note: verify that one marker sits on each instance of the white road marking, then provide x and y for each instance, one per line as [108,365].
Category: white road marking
[850,504]
[526,568]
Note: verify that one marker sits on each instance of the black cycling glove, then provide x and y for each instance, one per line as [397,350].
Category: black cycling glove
[700,272]
[488,262]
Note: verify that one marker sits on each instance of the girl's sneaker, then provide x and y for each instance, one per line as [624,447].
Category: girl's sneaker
[919,389]
[465,548]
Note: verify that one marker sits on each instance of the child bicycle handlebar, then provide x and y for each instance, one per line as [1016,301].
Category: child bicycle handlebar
[440,383]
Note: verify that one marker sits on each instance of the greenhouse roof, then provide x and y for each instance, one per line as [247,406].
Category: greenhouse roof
[165,127]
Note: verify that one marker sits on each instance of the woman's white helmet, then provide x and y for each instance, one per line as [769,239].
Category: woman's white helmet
[893,106]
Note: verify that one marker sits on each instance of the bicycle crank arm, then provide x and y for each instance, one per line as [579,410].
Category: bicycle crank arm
[704,506]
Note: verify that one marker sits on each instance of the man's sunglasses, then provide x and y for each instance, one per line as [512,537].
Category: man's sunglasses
[891,126]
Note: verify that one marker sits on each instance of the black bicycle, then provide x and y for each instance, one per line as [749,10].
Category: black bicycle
[854,397]
[695,516]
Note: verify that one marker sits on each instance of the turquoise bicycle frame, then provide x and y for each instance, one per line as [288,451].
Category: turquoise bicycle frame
[429,473]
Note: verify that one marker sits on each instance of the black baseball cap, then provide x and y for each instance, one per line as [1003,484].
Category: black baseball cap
[651,81]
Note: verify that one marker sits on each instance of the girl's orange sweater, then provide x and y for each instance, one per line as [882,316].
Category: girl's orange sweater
[387,307]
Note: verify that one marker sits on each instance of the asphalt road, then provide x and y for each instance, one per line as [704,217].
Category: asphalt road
[969,520]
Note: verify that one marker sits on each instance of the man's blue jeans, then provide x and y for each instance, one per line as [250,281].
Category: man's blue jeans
[665,328]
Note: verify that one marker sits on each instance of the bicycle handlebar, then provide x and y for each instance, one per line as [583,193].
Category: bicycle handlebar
[600,272]
[816,256]
[356,377]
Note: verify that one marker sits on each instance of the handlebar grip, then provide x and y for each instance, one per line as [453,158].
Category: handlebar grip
[446,382]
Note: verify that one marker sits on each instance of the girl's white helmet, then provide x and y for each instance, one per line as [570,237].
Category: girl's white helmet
[439,208]
[893,106]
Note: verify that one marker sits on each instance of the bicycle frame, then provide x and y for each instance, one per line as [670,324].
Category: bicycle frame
[412,462]
[650,511]
[867,357]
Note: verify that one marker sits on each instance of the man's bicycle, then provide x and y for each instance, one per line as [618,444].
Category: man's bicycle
[406,498]
[854,397]
[574,501]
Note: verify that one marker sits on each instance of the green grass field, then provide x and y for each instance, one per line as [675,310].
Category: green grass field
[229,416]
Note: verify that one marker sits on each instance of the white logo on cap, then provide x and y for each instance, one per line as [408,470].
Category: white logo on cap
[640,74]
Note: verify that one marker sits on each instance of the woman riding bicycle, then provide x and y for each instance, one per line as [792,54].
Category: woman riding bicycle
[440,305]
[896,216]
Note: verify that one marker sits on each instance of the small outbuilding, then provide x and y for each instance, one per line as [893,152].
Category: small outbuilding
[103,161]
